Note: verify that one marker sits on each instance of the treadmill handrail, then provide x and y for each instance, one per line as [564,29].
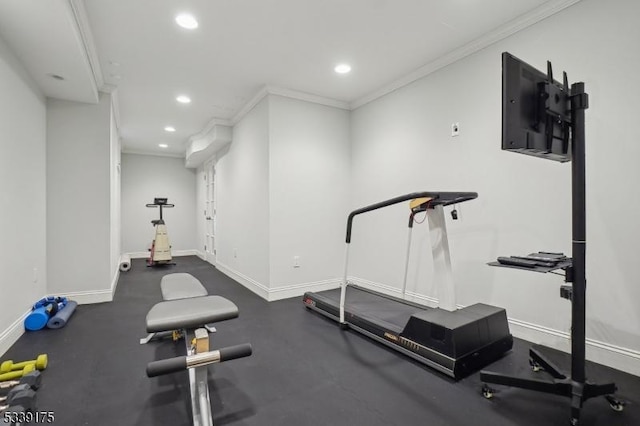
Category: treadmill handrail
[438,199]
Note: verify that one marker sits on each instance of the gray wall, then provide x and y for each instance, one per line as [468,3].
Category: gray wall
[308,192]
[145,177]
[59,185]
[242,199]
[79,197]
[23,200]
[201,206]
[115,214]
[282,192]
[402,143]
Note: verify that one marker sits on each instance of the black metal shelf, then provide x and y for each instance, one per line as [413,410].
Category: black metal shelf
[543,269]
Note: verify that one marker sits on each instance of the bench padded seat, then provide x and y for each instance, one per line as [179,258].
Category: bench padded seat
[181,286]
[189,313]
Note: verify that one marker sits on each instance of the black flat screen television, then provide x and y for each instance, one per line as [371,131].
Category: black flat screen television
[535,111]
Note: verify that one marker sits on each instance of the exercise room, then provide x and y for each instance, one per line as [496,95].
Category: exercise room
[294,212]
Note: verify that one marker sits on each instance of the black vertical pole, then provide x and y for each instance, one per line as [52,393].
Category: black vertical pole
[579,102]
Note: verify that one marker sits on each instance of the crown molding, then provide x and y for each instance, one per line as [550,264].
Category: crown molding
[155,154]
[307,97]
[246,108]
[115,104]
[112,91]
[199,149]
[287,93]
[249,105]
[538,14]
[523,21]
[86,37]
[208,128]
[108,88]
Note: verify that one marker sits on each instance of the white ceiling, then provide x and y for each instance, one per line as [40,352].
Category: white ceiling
[239,47]
[46,37]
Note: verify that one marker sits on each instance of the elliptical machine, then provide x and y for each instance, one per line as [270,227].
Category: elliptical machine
[160,251]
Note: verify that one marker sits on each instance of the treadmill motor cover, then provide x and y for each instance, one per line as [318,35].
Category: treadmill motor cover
[456,334]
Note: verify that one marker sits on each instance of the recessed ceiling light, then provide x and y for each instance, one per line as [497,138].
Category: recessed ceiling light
[186,20]
[183,99]
[170,129]
[163,145]
[342,68]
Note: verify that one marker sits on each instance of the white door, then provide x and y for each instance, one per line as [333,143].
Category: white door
[210,214]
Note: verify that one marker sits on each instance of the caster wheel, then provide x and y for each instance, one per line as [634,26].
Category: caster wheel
[535,366]
[487,392]
[617,407]
[614,403]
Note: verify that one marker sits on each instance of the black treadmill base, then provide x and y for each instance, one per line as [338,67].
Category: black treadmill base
[454,343]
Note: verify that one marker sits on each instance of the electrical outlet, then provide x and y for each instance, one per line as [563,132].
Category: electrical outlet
[455,129]
[296,261]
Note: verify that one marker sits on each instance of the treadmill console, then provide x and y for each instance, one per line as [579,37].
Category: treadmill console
[418,205]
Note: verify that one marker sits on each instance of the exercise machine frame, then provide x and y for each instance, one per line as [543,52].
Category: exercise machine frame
[431,202]
[164,257]
[453,341]
[196,361]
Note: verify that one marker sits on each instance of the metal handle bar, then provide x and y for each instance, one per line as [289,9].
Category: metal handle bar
[438,198]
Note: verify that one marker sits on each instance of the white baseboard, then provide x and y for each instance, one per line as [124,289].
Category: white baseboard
[253,285]
[89,297]
[101,296]
[114,282]
[394,291]
[280,292]
[174,253]
[617,357]
[138,254]
[296,290]
[201,255]
[613,356]
[11,335]
[178,253]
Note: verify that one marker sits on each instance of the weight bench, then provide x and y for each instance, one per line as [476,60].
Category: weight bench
[181,286]
[178,286]
[191,314]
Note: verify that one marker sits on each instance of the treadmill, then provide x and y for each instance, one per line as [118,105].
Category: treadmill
[456,342]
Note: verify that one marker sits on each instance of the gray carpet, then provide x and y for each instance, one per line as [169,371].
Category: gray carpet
[304,371]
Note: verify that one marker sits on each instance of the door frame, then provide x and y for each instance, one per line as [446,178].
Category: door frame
[210,213]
